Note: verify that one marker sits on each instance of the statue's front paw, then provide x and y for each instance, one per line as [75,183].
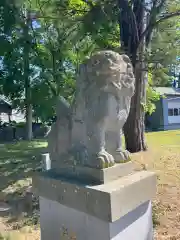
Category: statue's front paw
[104,160]
[122,156]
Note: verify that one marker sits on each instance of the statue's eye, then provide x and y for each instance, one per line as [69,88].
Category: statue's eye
[96,62]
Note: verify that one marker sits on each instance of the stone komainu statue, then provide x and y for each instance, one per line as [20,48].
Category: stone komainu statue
[89,132]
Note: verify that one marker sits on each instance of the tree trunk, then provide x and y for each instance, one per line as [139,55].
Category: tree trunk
[131,22]
[9,117]
[27,80]
[29,134]
[134,127]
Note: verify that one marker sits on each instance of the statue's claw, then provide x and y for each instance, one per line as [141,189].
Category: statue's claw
[122,156]
[104,160]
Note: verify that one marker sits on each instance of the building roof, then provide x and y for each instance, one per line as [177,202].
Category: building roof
[15,116]
[5,106]
[2,102]
[168,91]
[5,99]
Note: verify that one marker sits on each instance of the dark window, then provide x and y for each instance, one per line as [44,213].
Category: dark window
[176,113]
[170,112]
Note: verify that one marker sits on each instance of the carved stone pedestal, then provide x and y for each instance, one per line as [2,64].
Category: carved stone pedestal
[116,210]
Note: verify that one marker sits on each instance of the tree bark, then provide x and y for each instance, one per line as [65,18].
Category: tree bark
[29,134]
[9,118]
[131,22]
[134,127]
[28,105]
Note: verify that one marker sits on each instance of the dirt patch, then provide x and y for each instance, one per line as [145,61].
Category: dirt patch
[165,161]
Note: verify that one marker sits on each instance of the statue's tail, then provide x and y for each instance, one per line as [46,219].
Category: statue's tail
[63,109]
[63,112]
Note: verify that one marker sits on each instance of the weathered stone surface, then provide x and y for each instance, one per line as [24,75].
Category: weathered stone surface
[95,175]
[89,132]
[108,202]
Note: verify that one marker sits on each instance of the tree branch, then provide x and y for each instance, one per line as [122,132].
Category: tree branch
[155,11]
[167,16]
[150,27]
[89,3]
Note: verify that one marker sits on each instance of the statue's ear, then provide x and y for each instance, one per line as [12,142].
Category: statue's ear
[126,58]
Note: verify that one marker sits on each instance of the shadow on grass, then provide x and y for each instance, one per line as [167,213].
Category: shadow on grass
[18,161]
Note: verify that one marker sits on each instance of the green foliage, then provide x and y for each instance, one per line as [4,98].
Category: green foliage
[164,49]
[151,96]
[51,69]
[7,20]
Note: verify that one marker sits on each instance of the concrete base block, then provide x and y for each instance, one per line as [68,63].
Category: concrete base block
[108,201]
[61,222]
[117,210]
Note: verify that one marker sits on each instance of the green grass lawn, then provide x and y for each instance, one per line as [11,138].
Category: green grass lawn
[19,160]
[163,157]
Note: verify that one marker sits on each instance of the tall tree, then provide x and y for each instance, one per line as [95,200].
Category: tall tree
[26,72]
[137,20]
[15,74]
[42,61]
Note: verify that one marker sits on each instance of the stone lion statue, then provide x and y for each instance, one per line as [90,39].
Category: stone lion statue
[89,131]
